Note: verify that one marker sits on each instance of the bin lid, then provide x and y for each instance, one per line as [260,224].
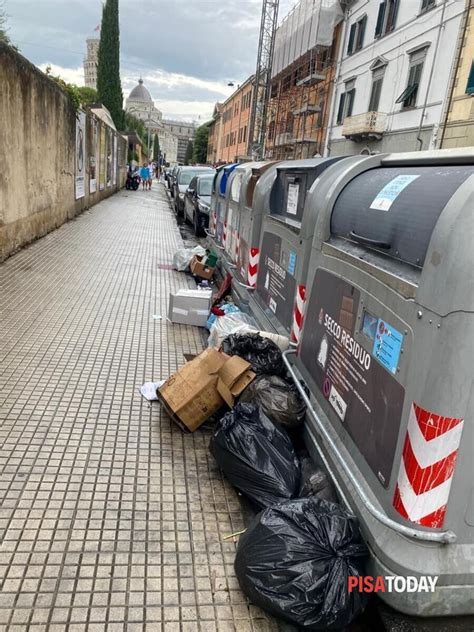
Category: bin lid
[394,210]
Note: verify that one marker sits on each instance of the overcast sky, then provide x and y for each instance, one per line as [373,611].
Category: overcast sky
[186,50]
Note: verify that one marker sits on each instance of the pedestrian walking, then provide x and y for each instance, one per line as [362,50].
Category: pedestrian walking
[150,175]
[144,173]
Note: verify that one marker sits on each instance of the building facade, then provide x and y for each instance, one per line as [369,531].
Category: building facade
[90,62]
[141,105]
[306,47]
[229,130]
[393,75]
[183,132]
[458,129]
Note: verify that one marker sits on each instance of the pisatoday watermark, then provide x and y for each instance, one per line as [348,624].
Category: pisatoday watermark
[392,583]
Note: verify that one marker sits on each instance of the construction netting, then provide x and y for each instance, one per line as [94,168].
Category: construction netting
[310,23]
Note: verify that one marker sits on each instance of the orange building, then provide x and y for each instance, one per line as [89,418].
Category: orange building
[300,100]
[229,130]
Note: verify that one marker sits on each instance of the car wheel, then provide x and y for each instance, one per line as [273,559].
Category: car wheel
[197,229]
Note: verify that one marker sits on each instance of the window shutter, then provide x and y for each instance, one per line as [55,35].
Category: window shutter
[340,112]
[350,46]
[361,33]
[470,80]
[380,18]
[392,18]
[350,105]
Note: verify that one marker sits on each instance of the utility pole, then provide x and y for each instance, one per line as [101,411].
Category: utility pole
[258,115]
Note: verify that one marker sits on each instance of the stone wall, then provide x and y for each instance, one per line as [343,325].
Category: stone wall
[37,155]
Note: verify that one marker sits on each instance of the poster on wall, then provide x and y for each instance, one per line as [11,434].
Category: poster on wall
[109,157]
[114,164]
[80,154]
[102,157]
[93,157]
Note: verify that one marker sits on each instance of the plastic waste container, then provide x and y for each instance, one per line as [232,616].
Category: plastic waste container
[388,360]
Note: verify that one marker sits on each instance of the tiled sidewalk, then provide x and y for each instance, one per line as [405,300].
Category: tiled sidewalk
[111,517]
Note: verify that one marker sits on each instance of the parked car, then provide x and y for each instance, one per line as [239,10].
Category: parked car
[197,202]
[181,181]
[171,178]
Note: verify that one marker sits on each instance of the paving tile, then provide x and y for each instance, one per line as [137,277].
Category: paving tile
[112,518]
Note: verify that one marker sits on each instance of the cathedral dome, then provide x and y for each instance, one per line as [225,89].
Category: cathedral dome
[140,93]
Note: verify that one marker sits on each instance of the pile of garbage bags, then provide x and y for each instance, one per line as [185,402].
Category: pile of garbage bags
[183,256]
[295,558]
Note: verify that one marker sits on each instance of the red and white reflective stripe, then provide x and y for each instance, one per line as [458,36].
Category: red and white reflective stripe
[427,467]
[254,257]
[224,234]
[298,313]
[213,222]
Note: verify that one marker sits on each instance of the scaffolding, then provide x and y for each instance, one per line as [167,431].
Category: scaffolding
[301,79]
[258,115]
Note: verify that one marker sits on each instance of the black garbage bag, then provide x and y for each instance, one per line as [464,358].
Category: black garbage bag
[278,399]
[262,353]
[315,482]
[257,457]
[295,559]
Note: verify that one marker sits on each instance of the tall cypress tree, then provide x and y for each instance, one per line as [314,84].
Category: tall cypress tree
[109,87]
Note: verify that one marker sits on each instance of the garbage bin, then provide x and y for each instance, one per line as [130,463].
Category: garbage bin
[388,360]
[286,235]
[217,226]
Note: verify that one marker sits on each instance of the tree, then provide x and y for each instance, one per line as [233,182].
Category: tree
[88,96]
[189,152]
[134,124]
[109,87]
[200,144]
[4,37]
[156,147]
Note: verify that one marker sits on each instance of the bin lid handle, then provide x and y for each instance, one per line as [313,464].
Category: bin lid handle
[370,242]
[442,537]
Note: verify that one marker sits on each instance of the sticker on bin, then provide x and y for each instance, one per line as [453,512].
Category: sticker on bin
[387,196]
[387,345]
[292,203]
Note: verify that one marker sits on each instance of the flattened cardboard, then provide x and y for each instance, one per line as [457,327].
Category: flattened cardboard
[233,377]
[190,395]
[199,269]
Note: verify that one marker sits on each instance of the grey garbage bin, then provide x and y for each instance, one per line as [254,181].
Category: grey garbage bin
[387,355]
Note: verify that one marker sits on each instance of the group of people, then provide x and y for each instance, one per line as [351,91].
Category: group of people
[147,171]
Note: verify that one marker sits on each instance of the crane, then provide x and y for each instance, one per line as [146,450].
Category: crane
[258,114]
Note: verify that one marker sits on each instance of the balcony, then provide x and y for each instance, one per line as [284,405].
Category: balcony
[312,79]
[283,139]
[369,125]
[308,108]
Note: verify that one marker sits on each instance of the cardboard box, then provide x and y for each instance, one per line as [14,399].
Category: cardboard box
[190,307]
[199,269]
[199,388]
[233,377]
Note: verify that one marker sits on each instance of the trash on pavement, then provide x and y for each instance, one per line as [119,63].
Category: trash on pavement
[257,457]
[294,561]
[278,399]
[199,267]
[282,342]
[262,353]
[234,377]
[237,322]
[149,389]
[157,317]
[315,482]
[190,307]
[191,395]
[221,310]
[182,257]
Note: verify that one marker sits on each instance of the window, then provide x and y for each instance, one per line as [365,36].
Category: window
[408,96]
[289,123]
[426,5]
[274,90]
[386,18]
[245,133]
[271,130]
[356,35]
[286,83]
[470,80]
[377,81]
[346,102]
